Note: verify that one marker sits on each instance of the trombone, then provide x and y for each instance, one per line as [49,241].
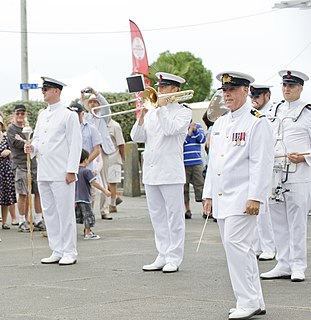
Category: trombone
[150,99]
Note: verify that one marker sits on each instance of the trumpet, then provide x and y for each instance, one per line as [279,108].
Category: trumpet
[149,98]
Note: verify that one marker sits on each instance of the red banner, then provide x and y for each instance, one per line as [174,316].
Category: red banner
[139,60]
[139,54]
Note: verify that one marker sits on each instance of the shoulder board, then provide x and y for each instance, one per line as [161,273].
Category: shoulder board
[308,106]
[186,106]
[69,108]
[257,114]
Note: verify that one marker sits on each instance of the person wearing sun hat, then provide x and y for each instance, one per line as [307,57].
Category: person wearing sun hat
[163,130]
[291,121]
[236,187]
[107,147]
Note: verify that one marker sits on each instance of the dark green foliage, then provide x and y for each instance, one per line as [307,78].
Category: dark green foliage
[126,120]
[186,65]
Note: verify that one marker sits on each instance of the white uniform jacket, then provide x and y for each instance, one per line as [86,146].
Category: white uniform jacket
[296,136]
[57,143]
[266,108]
[163,132]
[241,162]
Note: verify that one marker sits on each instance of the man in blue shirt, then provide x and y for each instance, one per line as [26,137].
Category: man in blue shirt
[193,164]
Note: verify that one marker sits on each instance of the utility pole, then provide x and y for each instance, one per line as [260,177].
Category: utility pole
[24,50]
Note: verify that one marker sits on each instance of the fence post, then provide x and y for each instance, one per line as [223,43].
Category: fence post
[131,185]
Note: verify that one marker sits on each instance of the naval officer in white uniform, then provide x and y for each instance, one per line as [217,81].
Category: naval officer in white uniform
[289,217]
[236,188]
[163,130]
[264,245]
[57,143]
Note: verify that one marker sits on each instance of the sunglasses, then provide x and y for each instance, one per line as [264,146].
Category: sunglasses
[45,89]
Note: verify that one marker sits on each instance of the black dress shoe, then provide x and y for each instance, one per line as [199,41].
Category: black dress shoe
[188,214]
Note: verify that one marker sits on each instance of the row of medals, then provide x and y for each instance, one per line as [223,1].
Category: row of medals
[238,139]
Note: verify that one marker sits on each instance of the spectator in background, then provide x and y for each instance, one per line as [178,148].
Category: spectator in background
[17,141]
[7,188]
[209,125]
[193,164]
[83,209]
[115,161]
[107,147]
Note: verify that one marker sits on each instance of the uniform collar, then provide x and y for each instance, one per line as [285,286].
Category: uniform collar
[54,106]
[293,104]
[241,110]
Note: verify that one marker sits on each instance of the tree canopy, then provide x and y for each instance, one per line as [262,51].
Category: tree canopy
[187,66]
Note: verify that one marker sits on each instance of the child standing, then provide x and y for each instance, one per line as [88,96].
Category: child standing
[84,212]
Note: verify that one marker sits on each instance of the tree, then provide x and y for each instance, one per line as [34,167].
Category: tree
[186,65]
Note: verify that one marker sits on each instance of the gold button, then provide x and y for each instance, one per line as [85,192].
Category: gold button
[218,174]
[222,155]
[219,193]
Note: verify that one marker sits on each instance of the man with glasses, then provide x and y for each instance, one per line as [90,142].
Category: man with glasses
[291,124]
[17,141]
[264,242]
[236,187]
[57,143]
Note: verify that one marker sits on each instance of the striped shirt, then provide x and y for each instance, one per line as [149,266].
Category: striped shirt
[192,147]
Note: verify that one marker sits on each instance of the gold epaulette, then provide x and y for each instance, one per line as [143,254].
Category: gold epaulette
[257,114]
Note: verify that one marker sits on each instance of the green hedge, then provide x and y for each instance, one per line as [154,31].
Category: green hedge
[126,120]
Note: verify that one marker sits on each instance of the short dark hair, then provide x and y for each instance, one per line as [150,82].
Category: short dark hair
[84,155]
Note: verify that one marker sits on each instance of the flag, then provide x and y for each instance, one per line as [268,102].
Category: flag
[139,59]
[139,54]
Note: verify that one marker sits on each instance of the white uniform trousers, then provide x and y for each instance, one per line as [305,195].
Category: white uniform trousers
[289,222]
[264,237]
[57,200]
[166,209]
[103,203]
[237,235]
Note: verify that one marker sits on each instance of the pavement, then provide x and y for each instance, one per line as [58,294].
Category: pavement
[108,282]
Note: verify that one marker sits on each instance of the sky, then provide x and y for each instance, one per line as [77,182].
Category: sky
[70,39]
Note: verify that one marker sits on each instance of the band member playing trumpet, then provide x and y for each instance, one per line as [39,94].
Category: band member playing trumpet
[163,130]
[236,185]
[291,120]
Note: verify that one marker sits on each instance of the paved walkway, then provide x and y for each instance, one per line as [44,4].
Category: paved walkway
[108,283]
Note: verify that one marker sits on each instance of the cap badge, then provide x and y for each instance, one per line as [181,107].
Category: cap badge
[289,74]
[160,78]
[226,78]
